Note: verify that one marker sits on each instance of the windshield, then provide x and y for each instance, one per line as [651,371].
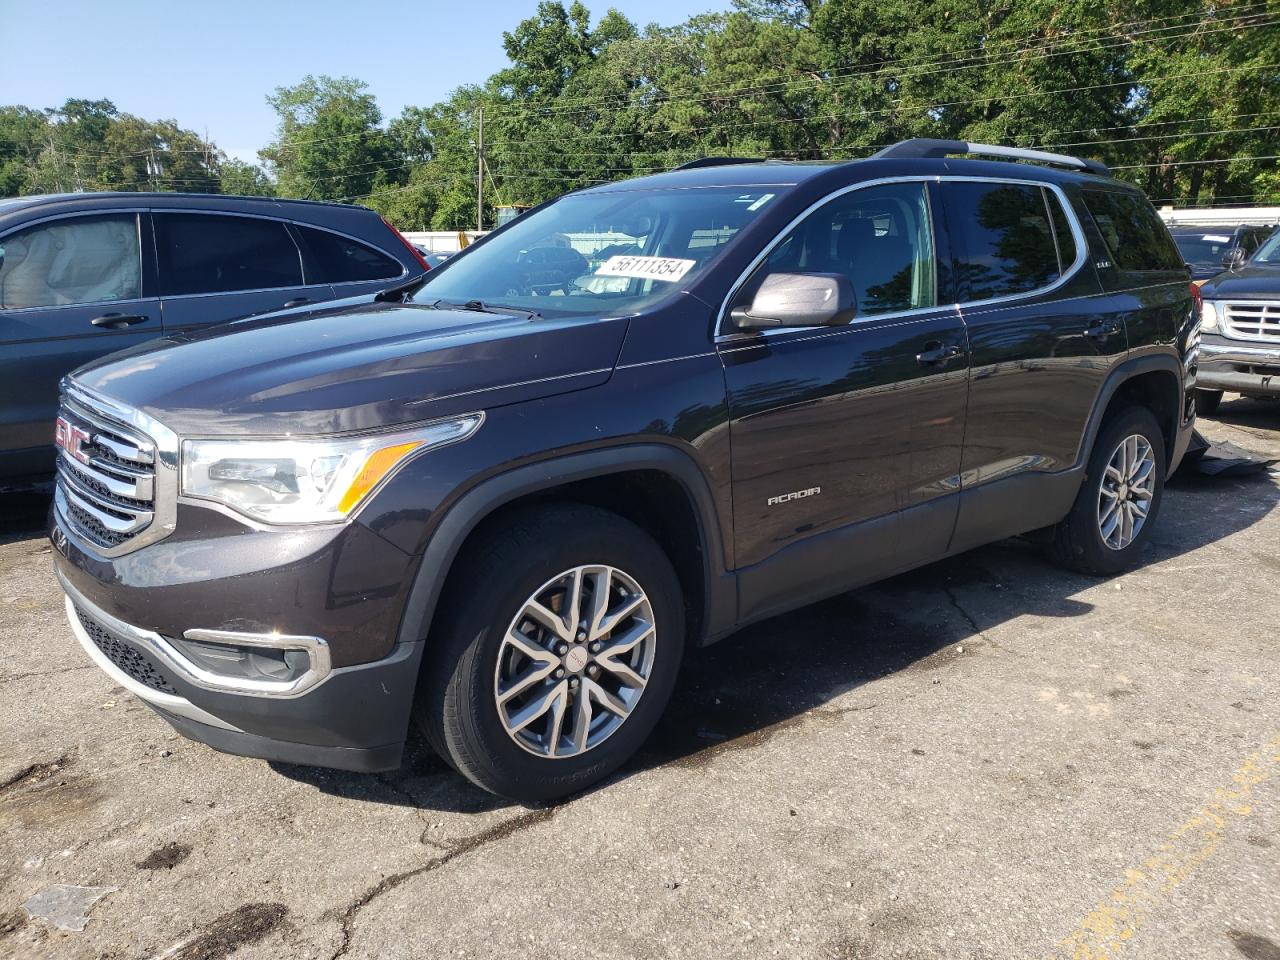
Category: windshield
[1203,247]
[1269,252]
[600,253]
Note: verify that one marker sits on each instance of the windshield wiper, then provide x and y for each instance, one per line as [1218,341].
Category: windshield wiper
[479,306]
[402,291]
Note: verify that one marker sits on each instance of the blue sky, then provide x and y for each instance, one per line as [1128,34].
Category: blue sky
[209,66]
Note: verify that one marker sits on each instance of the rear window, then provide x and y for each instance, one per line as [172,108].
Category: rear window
[1006,236]
[211,253]
[335,259]
[1134,233]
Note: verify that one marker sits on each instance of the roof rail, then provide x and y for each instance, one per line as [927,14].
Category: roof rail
[716,162]
[927,148]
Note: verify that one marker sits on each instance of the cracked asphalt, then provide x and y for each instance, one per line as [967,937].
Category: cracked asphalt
[985,758]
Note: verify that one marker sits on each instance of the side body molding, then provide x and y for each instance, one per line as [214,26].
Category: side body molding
[719,600]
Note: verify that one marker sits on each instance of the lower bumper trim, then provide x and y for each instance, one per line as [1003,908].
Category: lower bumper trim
[237,742]
[172,704]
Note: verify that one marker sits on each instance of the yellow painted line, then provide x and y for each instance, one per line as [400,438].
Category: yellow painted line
[1103,934]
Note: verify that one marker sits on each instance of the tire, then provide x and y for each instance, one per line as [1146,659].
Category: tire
[1078,542]
[1207,402]
[494,583]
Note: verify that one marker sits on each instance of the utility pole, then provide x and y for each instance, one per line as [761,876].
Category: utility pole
[479,168]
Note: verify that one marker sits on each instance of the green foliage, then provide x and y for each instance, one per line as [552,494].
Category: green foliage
[241,179]
[1171,93]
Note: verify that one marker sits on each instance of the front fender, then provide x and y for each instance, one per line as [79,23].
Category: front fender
[719,601]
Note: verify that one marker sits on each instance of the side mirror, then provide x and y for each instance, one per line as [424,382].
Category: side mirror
[1235,257]
[798,300]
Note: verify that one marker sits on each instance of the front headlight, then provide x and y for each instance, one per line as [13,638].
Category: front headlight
[1209,316]
[320,480]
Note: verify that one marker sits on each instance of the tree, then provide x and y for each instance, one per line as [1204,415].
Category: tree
[242,179]
[329,144]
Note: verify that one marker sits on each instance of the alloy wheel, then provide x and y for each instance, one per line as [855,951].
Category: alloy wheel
[1126,492]
[574,661]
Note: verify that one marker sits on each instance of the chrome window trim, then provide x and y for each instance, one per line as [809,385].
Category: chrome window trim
[99,410]
[1077,232]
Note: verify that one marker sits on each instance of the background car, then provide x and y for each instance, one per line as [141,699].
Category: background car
[82,275]
[1240,331]
[430,257]
[1210,250]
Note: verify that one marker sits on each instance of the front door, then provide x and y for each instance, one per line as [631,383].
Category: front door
[71,290]
[823,437]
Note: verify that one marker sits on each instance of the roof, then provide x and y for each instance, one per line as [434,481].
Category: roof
[118,197]
[764,173]
[791,173]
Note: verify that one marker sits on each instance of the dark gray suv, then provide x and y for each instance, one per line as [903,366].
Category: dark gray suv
[628,422]
[82,275]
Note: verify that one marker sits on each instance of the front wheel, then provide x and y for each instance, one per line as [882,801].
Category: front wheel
[1116,507]
[556,653]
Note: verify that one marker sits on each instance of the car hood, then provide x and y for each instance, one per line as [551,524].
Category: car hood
[365,367]
[1253,281]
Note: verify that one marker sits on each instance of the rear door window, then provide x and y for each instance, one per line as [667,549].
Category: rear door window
[212,253]
[332,258]
[69,261]
[1136,237]
[1008,238]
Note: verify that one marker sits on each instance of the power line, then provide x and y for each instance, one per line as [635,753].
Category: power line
[986,58]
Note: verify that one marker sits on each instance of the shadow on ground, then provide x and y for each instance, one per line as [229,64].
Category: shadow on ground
[23,513]
[787,670]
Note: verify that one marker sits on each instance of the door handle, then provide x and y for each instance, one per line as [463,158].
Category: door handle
[114,321]
[1100,331]
[296,302]
[936,354]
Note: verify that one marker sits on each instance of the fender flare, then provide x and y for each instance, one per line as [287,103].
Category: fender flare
[1119,375]
[719,601]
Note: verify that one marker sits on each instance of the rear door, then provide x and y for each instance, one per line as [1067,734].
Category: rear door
[1042,343]
[215,267]
[72,288]
[350,266]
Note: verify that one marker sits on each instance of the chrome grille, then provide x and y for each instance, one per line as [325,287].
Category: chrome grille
[1256,320]
[106,486]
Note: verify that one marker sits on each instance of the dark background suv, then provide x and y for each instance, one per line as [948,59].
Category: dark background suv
[636,417]
[1209,250]
[82,275]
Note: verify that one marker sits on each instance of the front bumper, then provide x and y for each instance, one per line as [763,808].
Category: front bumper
[333,596]
[355,718]
[1248,368]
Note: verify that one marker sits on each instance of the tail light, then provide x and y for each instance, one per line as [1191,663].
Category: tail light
[413,251]
[1197,298]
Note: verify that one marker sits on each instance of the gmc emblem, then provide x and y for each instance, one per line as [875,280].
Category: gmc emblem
[71,438]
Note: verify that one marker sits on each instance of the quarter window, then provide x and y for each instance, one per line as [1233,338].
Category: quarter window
[209,253]
[335,259]
[1133,231]
[879,237]
[1005,235]
[80,260]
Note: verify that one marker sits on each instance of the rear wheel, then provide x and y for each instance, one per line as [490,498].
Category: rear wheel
[1207,401]
[557,654]
[1116,507]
